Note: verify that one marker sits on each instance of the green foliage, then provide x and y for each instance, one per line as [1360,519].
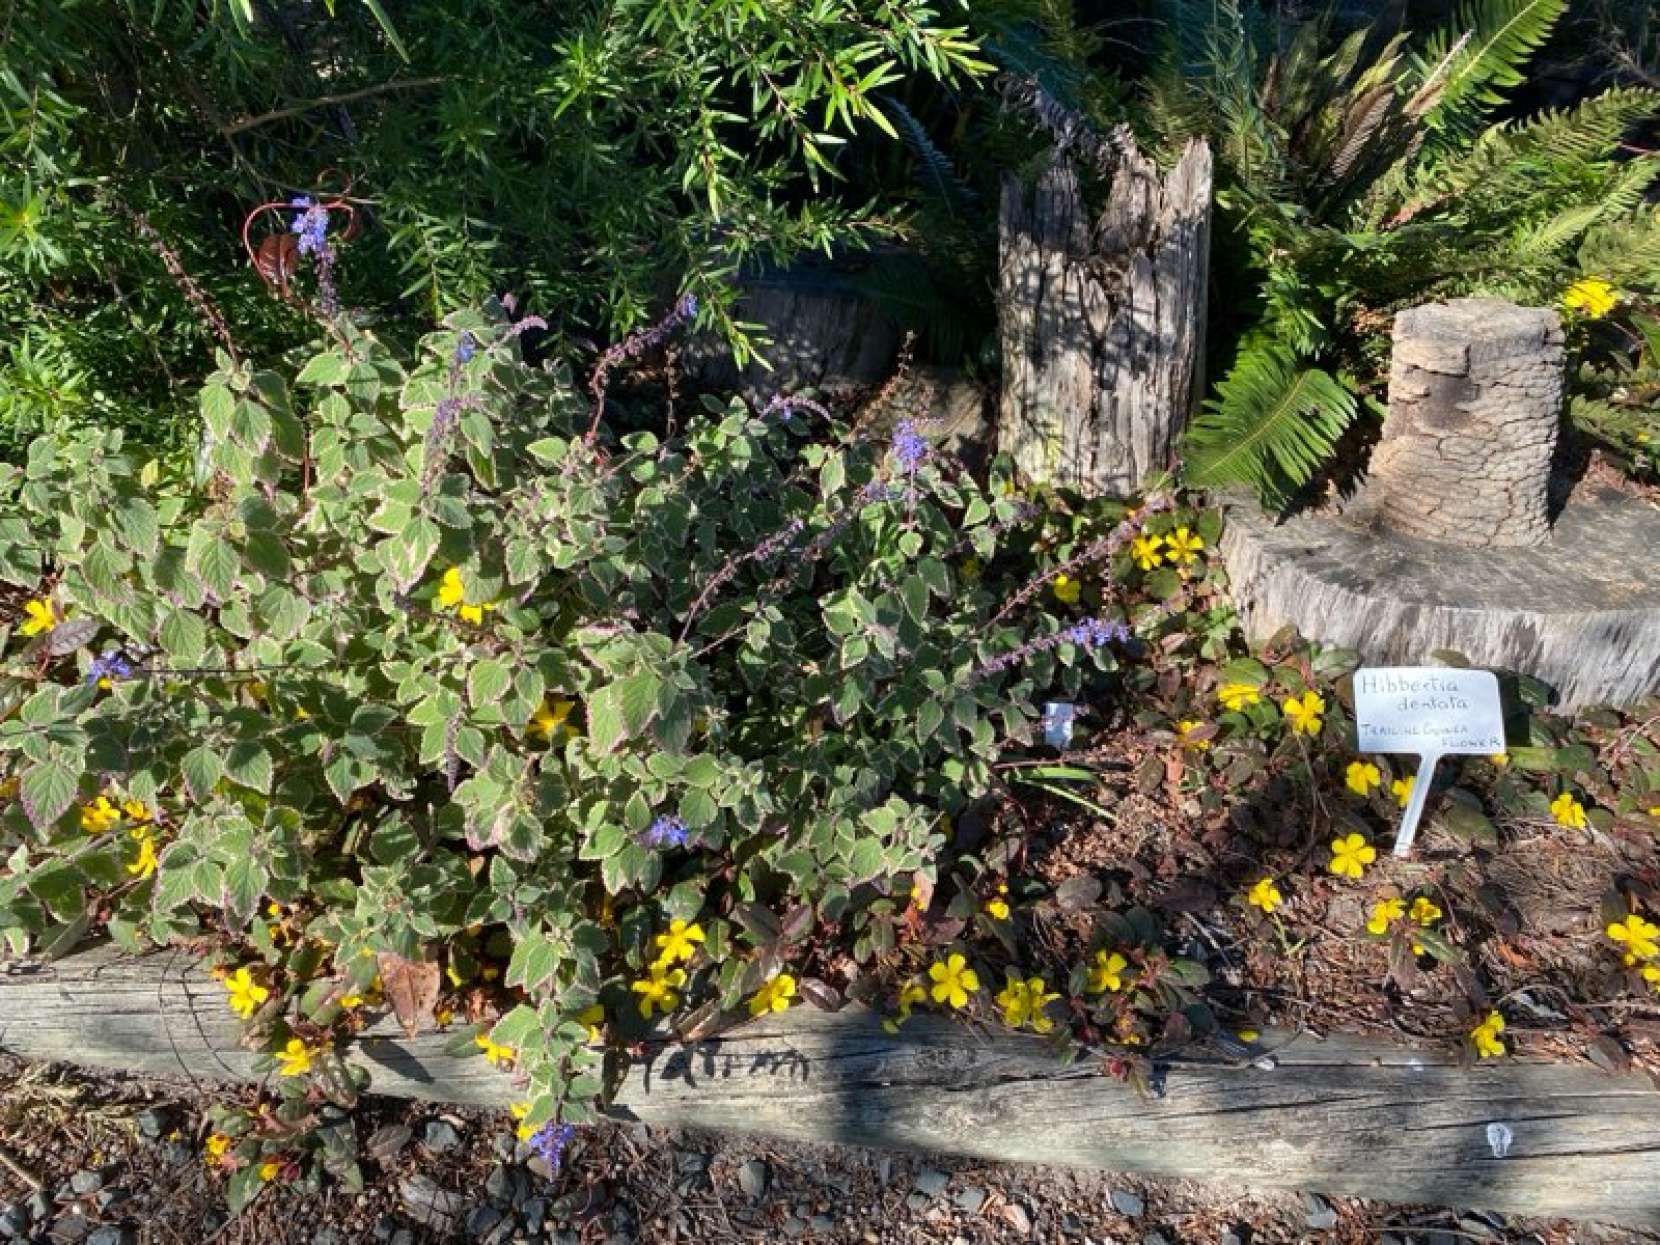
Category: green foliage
[587,156]
[1363,178]
[1271,423]
[419,665]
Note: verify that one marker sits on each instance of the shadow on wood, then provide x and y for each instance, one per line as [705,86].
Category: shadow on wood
[1345,1115]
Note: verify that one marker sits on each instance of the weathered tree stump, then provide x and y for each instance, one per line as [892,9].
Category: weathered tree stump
[1102,324]
[1345,1115]
[1475,402]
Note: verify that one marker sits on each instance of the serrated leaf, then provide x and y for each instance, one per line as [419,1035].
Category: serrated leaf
[249,764]
[202,769]
[184,637]
[47,790]
[621,710]
[488,683]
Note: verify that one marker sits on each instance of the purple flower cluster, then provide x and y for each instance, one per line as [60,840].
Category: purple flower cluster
[1091,633]
[550,1142]
[110,665]
[312,224]
[910,447]
[665,832]
[786,404]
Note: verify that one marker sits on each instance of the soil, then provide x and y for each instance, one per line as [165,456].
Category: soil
[117,1162]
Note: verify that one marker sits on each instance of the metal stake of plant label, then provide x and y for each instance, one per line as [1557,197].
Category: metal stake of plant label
[1430,712]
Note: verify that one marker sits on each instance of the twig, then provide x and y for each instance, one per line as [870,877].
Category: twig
[21,1172]
[323,101]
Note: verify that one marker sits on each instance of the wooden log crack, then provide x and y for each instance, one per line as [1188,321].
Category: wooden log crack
[1343,1115]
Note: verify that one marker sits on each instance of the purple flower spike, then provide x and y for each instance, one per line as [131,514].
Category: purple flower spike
[688,307]
[665,832]
[312,224]
[111,665]
[550,1141]
[910,447]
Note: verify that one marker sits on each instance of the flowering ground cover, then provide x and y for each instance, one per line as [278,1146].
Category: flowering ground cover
[438,689]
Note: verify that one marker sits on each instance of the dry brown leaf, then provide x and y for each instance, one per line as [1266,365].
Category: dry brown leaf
[411,986]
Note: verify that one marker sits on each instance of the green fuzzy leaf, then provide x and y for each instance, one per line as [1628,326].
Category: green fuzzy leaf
[621,710]
[46,791]
[202,769]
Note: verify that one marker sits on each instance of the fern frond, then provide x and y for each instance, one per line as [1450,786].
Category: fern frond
[935,168]
[1469,71]
[1626,252]
[1271,425]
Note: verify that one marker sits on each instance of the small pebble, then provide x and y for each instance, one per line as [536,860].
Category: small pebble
[440,1136]
[752,1179]
[1127,1204]
[1321,1215]
[970,1199]
[931,1182]
[109,1235]
[153,1123]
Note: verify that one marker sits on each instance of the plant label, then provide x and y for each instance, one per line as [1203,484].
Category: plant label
[1433,711]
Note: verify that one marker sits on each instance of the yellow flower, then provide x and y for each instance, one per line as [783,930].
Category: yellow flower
[1185,728]
[136,810]
[1183,546]
[443,1016]
[914,992]
[99,816]
[1499,760]
[1067,589]
[1145,551]
[592,1017]
[1568,811]
[953,980]
[679,944]
[268,1170]
[1486,1036]
[1106,973]
[1651,974]
[452,594]
[1303,713]
[1362,777]
[1247,1035]
[550,723]
[246,993]
[775,996]
[1401,789]
[971,568]
[145,865]
[1425,911]
[1237,696]
[1592,296]
[1037,998]
[1012,998]
[41,615]
[218,1145]
[998,908]
[1265,895]
[658,989]
[1637,936]
[519,1110]
[1350,856]
[295,1058]
[1384,913]
[495,1054]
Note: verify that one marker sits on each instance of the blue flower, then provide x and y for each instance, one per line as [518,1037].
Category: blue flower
[688,307]
[312,224]
[550,1141]
[910,447]
[466,348]
[665,832]
[111,665]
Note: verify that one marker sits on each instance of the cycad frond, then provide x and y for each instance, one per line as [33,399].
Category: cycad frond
[934,167]
[1271,425]
[1463,66]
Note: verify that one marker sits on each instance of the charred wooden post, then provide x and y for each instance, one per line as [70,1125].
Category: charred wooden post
[1102,321]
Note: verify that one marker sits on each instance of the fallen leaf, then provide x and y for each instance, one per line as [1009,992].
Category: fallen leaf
[411,987]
